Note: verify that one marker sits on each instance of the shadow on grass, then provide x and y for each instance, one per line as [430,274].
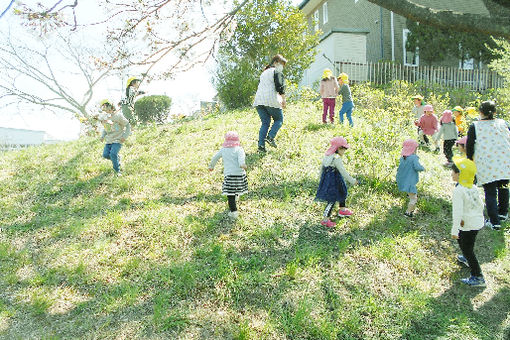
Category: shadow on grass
[259,276]
[50,202]
[453,310]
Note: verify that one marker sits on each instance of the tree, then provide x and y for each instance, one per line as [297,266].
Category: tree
[497,24]
[436,44]
[176,34]
[153,109]
[50,66]
[263,29]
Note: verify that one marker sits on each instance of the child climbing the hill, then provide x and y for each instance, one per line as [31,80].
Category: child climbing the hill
[428,125]
[128,102]
[417,110]
[116,129]
[347,103]
[461,145]
[407,174]
[449,132]
[235,182]
[332,185]
[467,217]
[328,91]
[459,119]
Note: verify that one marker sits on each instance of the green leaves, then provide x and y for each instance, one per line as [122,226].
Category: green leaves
[264,28]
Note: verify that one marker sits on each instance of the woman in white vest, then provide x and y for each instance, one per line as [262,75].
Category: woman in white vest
[488,145]
[270,101]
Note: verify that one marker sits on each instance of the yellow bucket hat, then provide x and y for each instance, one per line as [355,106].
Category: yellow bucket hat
[105,101]
[130,80]
[326,73]
[458,109]
[417,96]
[467,170]
[344,77]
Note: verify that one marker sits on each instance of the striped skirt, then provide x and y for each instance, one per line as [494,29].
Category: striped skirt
[235,185]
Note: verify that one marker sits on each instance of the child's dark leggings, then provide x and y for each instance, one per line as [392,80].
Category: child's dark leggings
[447,149]
[232,202]
[329,208]
[467,243]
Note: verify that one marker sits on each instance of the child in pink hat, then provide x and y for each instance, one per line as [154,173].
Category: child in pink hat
[449,133]
[429,125]
[407,173]
[332,185]
[461,145]
[235,182]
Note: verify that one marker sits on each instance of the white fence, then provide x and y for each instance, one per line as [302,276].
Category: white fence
[385,72]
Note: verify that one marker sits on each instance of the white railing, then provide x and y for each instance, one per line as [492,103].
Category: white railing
[385,72]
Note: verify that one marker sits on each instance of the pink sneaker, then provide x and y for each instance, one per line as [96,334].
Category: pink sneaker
[328,223]
[344,213]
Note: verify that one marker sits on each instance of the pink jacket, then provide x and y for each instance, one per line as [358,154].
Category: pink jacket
[329,88]
[429,124]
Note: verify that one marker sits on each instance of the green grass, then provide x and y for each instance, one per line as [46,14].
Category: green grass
[152,254]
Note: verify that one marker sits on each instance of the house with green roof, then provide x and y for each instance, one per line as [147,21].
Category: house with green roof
[358,31]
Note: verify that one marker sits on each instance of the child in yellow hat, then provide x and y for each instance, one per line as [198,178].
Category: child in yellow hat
[458,112]
[328,90]
[128,102]
[347,103]
[467,217]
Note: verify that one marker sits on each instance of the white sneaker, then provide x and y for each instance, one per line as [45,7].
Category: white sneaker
[233,214]
[488,224]
[503,218]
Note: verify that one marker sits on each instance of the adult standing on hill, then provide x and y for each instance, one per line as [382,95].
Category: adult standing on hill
[347,103]
[116,129]
[128,102]
[270,101]
[488,145]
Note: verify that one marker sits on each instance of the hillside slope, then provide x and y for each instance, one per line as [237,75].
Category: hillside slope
[152,254]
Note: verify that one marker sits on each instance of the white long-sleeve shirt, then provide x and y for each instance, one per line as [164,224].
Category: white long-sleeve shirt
[336,161]
[233,159]
[467,207]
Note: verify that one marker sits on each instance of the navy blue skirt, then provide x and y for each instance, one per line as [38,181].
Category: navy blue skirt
[332,186]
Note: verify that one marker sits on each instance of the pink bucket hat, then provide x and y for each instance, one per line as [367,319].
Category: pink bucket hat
[428,107]
[446,117]
[231,140]
[408,147]
[462,141]
[335,144]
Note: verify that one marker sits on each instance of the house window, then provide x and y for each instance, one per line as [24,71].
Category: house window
[325,12]
[316,20]
[411,58]
[467,64]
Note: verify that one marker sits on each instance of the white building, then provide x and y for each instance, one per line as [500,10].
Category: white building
[11,138]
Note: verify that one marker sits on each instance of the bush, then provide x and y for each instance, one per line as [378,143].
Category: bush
[152,109]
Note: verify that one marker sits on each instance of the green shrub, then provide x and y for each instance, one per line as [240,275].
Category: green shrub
[153,109]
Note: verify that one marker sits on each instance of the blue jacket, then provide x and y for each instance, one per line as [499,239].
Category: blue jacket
[407,173]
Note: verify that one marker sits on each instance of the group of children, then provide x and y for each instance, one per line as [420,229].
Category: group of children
[431,130]
[467,207]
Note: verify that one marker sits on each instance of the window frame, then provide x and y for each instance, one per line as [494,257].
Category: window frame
[405,33]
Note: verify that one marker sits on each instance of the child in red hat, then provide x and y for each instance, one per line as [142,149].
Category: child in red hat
[332,185]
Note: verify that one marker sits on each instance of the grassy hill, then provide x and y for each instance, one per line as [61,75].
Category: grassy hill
[152,254]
